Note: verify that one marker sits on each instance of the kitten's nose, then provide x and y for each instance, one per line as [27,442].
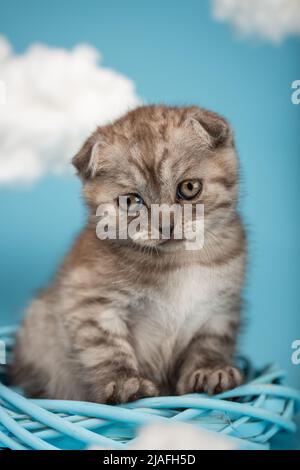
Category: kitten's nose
[167,230]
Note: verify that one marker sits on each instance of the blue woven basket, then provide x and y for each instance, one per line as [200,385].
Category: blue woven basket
[250,415]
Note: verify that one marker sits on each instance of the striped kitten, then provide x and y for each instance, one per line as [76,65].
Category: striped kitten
[132,318]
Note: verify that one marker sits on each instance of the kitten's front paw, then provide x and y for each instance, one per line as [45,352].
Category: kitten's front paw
[123,390]
[210,381]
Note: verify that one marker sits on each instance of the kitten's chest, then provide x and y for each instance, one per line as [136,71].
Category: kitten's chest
[168,317]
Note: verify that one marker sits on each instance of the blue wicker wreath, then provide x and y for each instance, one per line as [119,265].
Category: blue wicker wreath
[250,415]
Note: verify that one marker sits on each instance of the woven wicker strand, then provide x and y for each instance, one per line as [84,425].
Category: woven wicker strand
[249,415]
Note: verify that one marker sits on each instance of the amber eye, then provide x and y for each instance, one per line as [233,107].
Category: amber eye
[189,189]
[131,203]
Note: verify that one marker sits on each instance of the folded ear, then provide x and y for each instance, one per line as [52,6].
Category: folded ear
[87,160]
[212,127]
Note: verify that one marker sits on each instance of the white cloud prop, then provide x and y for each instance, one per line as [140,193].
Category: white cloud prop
[271,20]
[183,436]
[53,99]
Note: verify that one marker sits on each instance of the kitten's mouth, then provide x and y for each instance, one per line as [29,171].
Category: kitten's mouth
[169,244]
[166,244]
[171,241]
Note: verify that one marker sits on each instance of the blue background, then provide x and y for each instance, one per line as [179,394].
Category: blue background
[176,53]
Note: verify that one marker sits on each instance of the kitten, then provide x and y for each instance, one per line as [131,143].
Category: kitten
[133,318]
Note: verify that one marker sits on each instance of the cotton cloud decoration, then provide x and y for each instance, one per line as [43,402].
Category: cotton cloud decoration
[53,99]
[271,20]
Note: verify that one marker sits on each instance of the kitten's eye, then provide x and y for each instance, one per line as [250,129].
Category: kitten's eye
[189,189]
[133,202]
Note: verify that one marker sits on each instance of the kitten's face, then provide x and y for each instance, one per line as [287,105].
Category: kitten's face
[157,155]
